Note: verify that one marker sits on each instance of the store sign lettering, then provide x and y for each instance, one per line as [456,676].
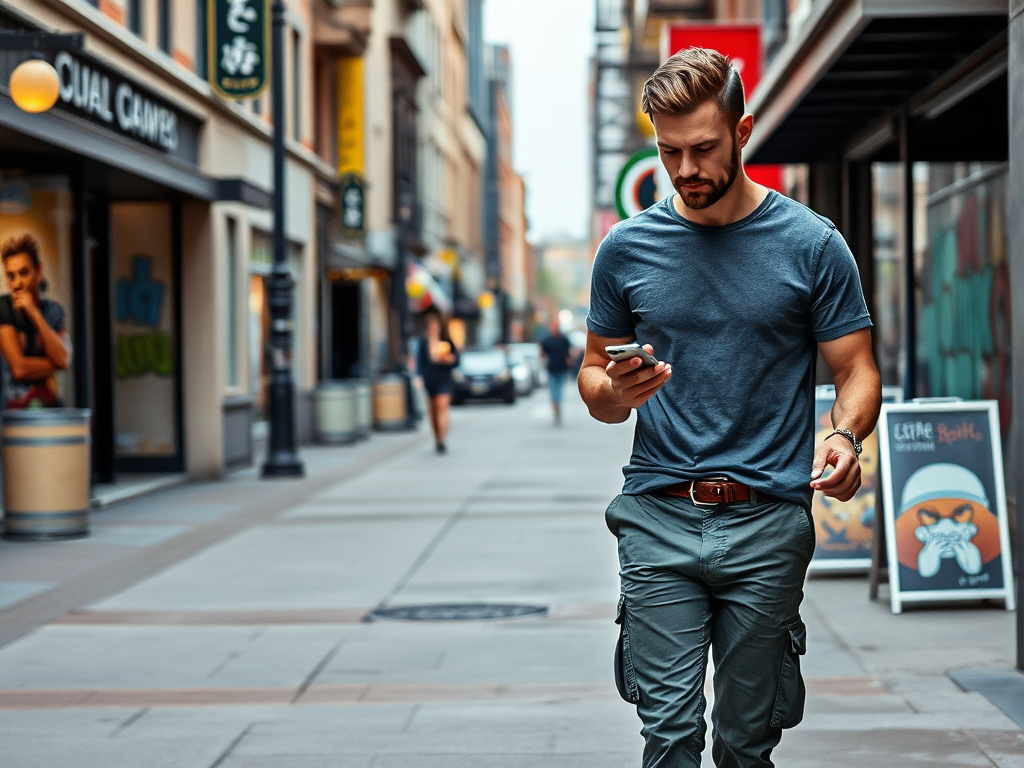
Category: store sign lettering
[93,92]
[140,301]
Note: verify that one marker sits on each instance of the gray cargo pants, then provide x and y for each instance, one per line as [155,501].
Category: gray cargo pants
[726,576]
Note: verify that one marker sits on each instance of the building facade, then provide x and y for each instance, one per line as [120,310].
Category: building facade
[150,196]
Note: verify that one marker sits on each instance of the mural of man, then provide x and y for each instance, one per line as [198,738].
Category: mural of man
[33,340]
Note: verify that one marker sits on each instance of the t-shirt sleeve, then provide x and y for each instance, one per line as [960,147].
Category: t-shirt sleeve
[55,317]
[609,315]
[7,311]
[837,300]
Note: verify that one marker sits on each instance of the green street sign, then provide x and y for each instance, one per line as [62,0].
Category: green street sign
[353,205]
[239,55]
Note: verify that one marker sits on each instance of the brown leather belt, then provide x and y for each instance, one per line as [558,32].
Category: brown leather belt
[717,490]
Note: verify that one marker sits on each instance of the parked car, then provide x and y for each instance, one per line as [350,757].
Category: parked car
[531,351]
[483,374]
[521,373]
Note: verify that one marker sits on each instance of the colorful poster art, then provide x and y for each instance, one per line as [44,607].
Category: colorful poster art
[36,214]
[945,503]
[844,529]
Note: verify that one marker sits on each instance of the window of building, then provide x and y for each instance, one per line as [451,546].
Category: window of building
[134,13]
[164,25]
[202,10]
[296,85]
[232,304]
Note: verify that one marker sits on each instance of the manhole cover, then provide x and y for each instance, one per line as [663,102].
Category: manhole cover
[457,612]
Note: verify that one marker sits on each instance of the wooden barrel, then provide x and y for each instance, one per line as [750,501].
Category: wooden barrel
[335,411]
[364,408]
[46,465]
[389,402]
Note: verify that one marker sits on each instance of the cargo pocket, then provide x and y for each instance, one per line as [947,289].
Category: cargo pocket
[625,675]
[789,700]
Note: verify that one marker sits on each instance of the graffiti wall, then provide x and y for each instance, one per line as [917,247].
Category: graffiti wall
[964,330]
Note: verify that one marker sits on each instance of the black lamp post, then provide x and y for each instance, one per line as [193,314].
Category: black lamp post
[282,458]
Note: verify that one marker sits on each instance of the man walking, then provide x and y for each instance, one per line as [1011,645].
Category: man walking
[556,350]
[734,288]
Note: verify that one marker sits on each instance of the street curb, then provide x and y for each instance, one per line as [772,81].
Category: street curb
[108,579]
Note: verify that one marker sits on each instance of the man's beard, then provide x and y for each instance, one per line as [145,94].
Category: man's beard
[698,201]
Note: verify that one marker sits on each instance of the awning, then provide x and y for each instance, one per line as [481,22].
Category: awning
[852,63]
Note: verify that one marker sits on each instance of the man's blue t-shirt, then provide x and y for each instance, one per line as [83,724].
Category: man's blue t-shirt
[737,311]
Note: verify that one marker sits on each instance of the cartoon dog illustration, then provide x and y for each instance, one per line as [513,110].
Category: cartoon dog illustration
[947,537]
[945,500]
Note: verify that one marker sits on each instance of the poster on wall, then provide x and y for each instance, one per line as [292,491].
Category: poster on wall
[843,530]
[145,344]
[36,214]
[945,502]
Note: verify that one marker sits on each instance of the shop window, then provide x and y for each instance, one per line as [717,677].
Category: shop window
[889,298]
[145,331]
[164,18]
[963,333]
[38,211]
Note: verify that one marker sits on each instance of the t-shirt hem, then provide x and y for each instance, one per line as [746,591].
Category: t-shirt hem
[838,331]
[605,331]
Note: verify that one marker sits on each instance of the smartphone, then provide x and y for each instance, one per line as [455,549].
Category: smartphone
[620,352]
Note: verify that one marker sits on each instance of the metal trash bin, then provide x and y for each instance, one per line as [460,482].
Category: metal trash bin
[364,408]
[389,402]
[47,471]
[335,412]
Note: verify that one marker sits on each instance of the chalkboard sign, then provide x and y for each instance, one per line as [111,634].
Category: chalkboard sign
[843,530]
[945,502]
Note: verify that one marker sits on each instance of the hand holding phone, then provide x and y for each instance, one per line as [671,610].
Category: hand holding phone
[621,352]
[634,383]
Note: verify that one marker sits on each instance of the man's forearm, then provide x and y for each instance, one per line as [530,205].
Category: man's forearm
[858,401]
[53,345]
[596,390]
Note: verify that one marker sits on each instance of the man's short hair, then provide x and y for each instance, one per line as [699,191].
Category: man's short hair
[25,244]
[691,78]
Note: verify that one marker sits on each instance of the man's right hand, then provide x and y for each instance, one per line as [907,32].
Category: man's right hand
[632,385]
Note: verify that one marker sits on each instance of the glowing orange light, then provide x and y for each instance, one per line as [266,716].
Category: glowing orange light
[34,85]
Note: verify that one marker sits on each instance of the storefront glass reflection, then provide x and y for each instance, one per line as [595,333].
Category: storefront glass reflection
[145,365]
[35,308]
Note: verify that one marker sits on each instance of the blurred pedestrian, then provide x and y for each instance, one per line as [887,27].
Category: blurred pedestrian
[436,357]
[556,349]
[33,340]
[740,287]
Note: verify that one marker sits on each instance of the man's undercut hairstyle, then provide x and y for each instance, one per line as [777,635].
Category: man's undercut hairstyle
[18,244]
[691,78]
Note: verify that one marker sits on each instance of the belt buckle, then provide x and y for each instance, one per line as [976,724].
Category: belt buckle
[693,487]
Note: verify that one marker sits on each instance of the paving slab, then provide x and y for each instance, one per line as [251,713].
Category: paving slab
[314,566]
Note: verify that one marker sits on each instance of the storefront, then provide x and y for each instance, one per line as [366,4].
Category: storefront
[99,183]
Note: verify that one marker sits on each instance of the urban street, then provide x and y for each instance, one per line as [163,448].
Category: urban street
[229,624]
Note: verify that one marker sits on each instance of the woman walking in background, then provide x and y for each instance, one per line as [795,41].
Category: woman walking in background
[435,359]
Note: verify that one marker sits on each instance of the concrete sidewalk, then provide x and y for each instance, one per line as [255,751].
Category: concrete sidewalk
[221,625]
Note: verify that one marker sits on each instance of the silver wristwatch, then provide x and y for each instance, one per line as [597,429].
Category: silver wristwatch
[848,434]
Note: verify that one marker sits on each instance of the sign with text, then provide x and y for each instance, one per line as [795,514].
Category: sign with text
[239,52]
[843,530]
[945,502]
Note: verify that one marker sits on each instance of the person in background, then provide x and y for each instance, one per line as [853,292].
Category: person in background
[556,349]
[33,339]
[435,359]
